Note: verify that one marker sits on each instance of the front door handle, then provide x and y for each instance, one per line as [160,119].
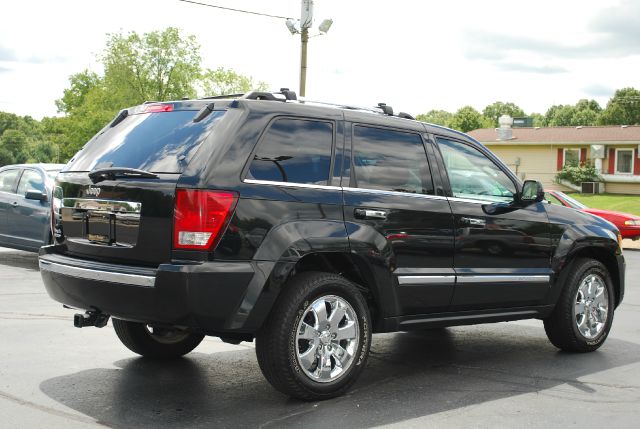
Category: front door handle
[472,221]
[369,214]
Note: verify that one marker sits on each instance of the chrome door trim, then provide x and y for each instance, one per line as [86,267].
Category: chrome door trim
[501,278]
[98,275]
[422,280]
[290,184]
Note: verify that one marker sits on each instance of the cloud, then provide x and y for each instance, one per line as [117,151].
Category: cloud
[7,54]
[526,68]
[615,31]
[598,90]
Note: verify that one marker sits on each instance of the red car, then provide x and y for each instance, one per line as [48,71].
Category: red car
[628,224]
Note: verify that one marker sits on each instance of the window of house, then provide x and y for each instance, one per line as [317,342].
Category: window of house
[624,161]
[390,160]
[296,151]
[571,157]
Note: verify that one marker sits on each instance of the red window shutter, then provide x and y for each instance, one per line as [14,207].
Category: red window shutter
[560,160]
[612,160]
[636,163]
[583,155]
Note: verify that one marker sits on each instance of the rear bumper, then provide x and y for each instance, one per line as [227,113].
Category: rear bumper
[214,297]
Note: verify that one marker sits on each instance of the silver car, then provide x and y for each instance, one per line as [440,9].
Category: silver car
[26,193]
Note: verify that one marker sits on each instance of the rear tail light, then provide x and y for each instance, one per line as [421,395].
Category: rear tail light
[200,217]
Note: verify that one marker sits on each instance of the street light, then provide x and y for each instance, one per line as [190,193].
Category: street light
[302,27]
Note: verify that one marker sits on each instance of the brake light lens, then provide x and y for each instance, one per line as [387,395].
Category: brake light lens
[200,217]
[156,108]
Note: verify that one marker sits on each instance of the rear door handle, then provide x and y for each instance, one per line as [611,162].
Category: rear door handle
[472,221]
[369,214]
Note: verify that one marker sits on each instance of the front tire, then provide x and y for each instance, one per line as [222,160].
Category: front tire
[584,312]
[153,342]
[316,340]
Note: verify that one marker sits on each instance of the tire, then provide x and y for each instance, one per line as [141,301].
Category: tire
[155,343]
[308,363]
[581,304]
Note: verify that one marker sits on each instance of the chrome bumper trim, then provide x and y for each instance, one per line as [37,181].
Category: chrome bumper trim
[98,275]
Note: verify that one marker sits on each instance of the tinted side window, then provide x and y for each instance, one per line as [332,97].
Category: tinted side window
[390,160]
[473,175]
[31,180]
[8,180]
[294,150]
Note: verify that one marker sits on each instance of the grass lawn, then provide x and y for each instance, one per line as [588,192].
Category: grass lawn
[619,203]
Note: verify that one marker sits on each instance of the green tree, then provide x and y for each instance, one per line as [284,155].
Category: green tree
[467,118]
[583,113]
[159,66]
[14,141]
[538,120]
[81,84]
[223,81]
[438,117]
[497,109]
[6,157]
[623,108]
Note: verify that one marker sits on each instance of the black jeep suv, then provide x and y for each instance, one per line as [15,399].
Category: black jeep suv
[308,227]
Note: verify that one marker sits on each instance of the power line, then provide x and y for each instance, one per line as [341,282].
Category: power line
[236,10]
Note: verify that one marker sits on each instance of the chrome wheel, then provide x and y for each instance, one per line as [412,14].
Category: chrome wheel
[327,338]
[591,306]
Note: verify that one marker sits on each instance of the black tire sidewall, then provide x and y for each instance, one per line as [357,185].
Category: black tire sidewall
[348,292]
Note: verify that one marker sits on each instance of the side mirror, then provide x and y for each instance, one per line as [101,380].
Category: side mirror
[36,195]
[532,192]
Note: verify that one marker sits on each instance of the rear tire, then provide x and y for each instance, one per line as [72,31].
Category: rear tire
[315,342]
[583,314]
[155,343]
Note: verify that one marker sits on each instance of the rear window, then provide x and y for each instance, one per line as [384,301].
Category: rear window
[157,142]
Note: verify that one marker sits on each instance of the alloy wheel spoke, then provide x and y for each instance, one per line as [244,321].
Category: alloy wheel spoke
[580,306]
[336,317]
[319,309]
[341,356]
[346,332]
[323,371]
[308,358]
[307,332]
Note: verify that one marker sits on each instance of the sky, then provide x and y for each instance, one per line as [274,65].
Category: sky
[413,55]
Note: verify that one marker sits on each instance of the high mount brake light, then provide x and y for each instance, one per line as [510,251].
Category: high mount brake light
[200,217]
[156,108]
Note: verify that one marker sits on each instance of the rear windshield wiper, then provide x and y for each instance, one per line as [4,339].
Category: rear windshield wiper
[111,173]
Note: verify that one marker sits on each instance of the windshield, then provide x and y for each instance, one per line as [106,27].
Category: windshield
[156,142]
[573,203]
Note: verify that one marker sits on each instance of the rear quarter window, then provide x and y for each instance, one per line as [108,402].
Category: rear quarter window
[294,150]
[156,142]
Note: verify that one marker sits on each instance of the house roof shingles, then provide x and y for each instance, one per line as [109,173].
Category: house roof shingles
[562,134]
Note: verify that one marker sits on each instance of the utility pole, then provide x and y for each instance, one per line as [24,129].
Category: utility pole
[304,36]
[302,27]
[306,20]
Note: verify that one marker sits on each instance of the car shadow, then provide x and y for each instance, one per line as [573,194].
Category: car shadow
[408,375]
[18,258]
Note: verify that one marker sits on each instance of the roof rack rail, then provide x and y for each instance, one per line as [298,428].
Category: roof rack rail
[217,97]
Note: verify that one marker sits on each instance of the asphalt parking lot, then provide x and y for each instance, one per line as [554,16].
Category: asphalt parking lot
[501,375]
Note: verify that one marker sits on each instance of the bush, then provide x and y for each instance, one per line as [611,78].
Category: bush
[577,174]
